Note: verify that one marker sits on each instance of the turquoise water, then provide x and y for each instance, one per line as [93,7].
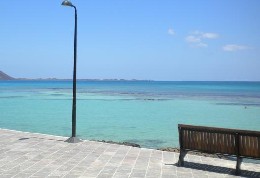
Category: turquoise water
[144,112]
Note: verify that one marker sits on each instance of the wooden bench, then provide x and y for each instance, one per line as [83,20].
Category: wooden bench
[239,143]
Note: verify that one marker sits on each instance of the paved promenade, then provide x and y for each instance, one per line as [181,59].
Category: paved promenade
[38,156]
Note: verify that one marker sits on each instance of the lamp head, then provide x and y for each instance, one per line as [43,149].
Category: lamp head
[67,3]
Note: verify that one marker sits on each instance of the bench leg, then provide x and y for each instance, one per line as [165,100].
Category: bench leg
[239,161]
[181,157]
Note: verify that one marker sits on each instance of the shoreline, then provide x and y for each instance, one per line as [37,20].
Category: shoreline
[168,149]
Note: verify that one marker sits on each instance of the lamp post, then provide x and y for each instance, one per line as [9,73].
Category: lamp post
[73,138]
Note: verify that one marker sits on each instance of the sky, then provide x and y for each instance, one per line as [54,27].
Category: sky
[168,40]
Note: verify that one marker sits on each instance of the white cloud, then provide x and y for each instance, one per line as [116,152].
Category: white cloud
[202,45]
[234,47]
[199,45]
[197,38]
[196,32]
[192,39]
[171,31]
[209,35]
[206,35]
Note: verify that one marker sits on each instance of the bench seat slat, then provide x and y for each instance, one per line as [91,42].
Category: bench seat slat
[249,146]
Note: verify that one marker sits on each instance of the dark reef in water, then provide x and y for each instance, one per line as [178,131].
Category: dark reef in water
[121,143]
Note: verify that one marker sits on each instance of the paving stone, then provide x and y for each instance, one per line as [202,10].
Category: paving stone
[6,175]
[169,176]
[138,173]
[22,175]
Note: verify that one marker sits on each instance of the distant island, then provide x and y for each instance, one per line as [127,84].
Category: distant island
[4,76]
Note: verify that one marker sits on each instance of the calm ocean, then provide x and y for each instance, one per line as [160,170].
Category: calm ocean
[143,112]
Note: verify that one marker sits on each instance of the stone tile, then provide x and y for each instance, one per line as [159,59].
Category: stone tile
[200,176]
[59,173]
[153,174]
[138,173]
[71,176]
[121,175]
[188,174]
[105,175]
[6,175]
[30,171]
[22,175]
[41,174]
[169,176]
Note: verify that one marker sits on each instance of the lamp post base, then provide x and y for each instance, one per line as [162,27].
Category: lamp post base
[73,140]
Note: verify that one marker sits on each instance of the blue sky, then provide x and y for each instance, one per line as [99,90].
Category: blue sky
[133,39]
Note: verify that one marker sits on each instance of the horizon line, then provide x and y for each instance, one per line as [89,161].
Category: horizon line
[122,80]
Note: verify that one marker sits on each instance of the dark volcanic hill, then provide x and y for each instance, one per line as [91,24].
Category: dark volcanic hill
[4,76]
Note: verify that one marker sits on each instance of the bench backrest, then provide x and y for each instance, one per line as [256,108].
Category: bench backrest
[243,143]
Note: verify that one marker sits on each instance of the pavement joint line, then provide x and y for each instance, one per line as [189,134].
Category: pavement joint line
[135,162]
[95,148]
[19,147]
[122,146]
[84,157]
[161,163]
[38,161]
[69,144]
[97,157]
[79,161]
[148,164]
[34,163]
[121,161]
[105,164]
[21,156]
[58,158]
[176,163]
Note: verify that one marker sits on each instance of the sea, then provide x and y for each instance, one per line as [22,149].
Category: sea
[142,112]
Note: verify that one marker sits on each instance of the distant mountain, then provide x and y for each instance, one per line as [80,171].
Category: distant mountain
[4,76]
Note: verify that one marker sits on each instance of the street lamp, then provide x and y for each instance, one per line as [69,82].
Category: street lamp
[73,138]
